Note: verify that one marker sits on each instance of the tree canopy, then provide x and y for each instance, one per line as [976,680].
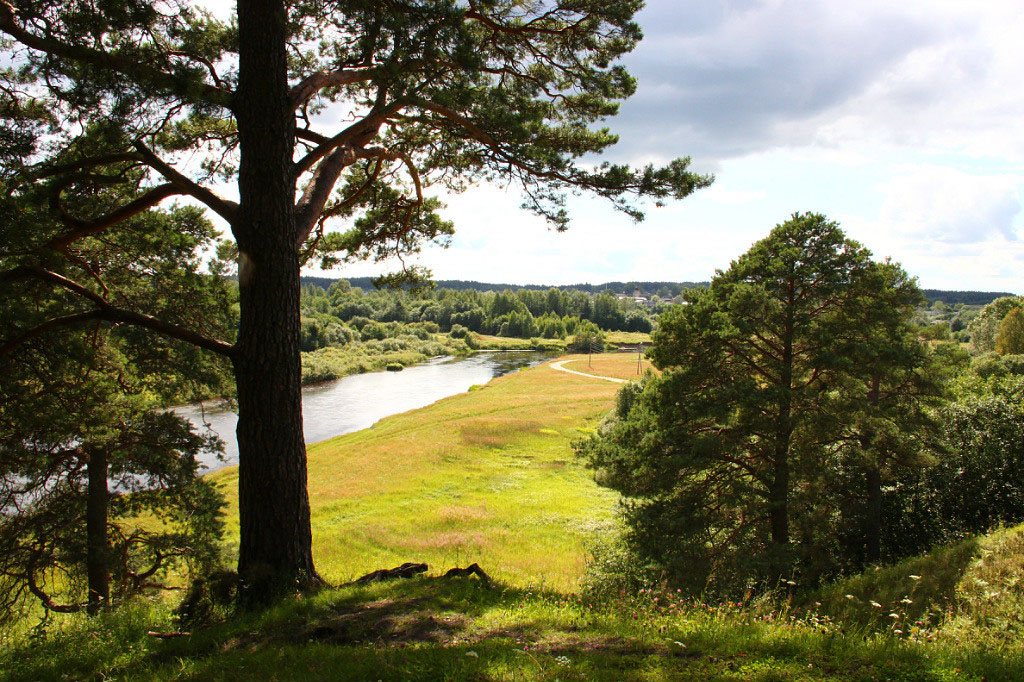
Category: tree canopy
[767,374]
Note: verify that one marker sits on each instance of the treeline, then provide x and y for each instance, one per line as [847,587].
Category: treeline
[663,290]
[965,297]
[342,313]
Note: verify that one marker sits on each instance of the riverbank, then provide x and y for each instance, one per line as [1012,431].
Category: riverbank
[358,401]
[335,362]
[486,476]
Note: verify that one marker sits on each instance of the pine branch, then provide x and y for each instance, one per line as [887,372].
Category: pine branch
[228,210]
[181,87]
[102,311]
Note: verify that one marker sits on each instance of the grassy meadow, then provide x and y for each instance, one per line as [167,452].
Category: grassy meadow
[488,477]
[485,476]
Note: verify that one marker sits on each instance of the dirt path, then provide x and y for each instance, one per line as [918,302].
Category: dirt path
[559,366]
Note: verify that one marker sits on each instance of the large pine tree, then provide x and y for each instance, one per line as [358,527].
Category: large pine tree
[315,111]
[789,354]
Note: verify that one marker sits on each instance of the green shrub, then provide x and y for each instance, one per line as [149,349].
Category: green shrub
[614,571]
[976,486]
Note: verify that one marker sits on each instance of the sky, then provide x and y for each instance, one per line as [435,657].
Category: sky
[901,119]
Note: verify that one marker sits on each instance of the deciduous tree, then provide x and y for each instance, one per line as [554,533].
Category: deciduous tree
[1010,339]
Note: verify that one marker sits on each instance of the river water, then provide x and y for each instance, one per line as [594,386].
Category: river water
[358,401]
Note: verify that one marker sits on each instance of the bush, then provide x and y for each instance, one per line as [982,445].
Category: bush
[394,367]
[613,571]
[988,365]
[588,338]
[977,485]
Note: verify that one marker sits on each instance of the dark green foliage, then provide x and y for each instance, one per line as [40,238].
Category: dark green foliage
[974,298]
[63,412]
[976,485]
[795,356]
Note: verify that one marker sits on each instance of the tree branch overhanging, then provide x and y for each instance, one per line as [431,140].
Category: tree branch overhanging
[81,230]
[228,210]
[181,87]
[102,311]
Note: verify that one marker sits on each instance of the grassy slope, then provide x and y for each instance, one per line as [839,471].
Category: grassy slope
[487,477]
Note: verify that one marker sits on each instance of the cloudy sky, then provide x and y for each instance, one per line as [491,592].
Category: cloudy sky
[903,120]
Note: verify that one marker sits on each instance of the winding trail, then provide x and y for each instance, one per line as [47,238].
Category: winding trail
[560,368]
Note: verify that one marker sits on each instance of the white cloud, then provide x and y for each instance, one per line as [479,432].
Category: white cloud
[953,207]
[745,77]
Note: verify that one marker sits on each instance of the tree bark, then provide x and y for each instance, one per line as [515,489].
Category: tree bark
[873,524]
[275,552]
[873,483]
[96,505]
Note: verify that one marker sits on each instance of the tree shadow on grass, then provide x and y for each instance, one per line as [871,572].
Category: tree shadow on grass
[444,629]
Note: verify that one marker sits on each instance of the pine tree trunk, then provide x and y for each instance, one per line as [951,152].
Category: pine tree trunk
[778,493]
[96,504]
[873,483]
[873,524]
[275,553]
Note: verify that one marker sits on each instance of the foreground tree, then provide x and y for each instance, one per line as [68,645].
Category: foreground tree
[85,448]
[717,453]
[441,93]
[83,457]
[880,408]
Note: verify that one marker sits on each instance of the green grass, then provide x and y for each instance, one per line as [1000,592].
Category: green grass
[432,628]
[488,477]
[971,591]
[485,476]
[485,342]
[334,362]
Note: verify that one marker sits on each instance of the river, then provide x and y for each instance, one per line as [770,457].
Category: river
[358,401]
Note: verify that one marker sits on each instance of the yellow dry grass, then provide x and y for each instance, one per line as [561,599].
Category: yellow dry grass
[618,365]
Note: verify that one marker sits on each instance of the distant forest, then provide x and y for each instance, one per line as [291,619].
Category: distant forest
[674,288]
[646,288]
[965,297]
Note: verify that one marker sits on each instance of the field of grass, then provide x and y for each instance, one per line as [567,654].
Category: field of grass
[618,365]
[488,477]
[627,338]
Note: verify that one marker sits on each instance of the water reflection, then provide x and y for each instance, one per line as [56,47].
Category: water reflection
[357,402]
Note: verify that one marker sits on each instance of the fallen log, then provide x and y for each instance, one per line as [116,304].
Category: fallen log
[406,570]
[472,569]
[168,635]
